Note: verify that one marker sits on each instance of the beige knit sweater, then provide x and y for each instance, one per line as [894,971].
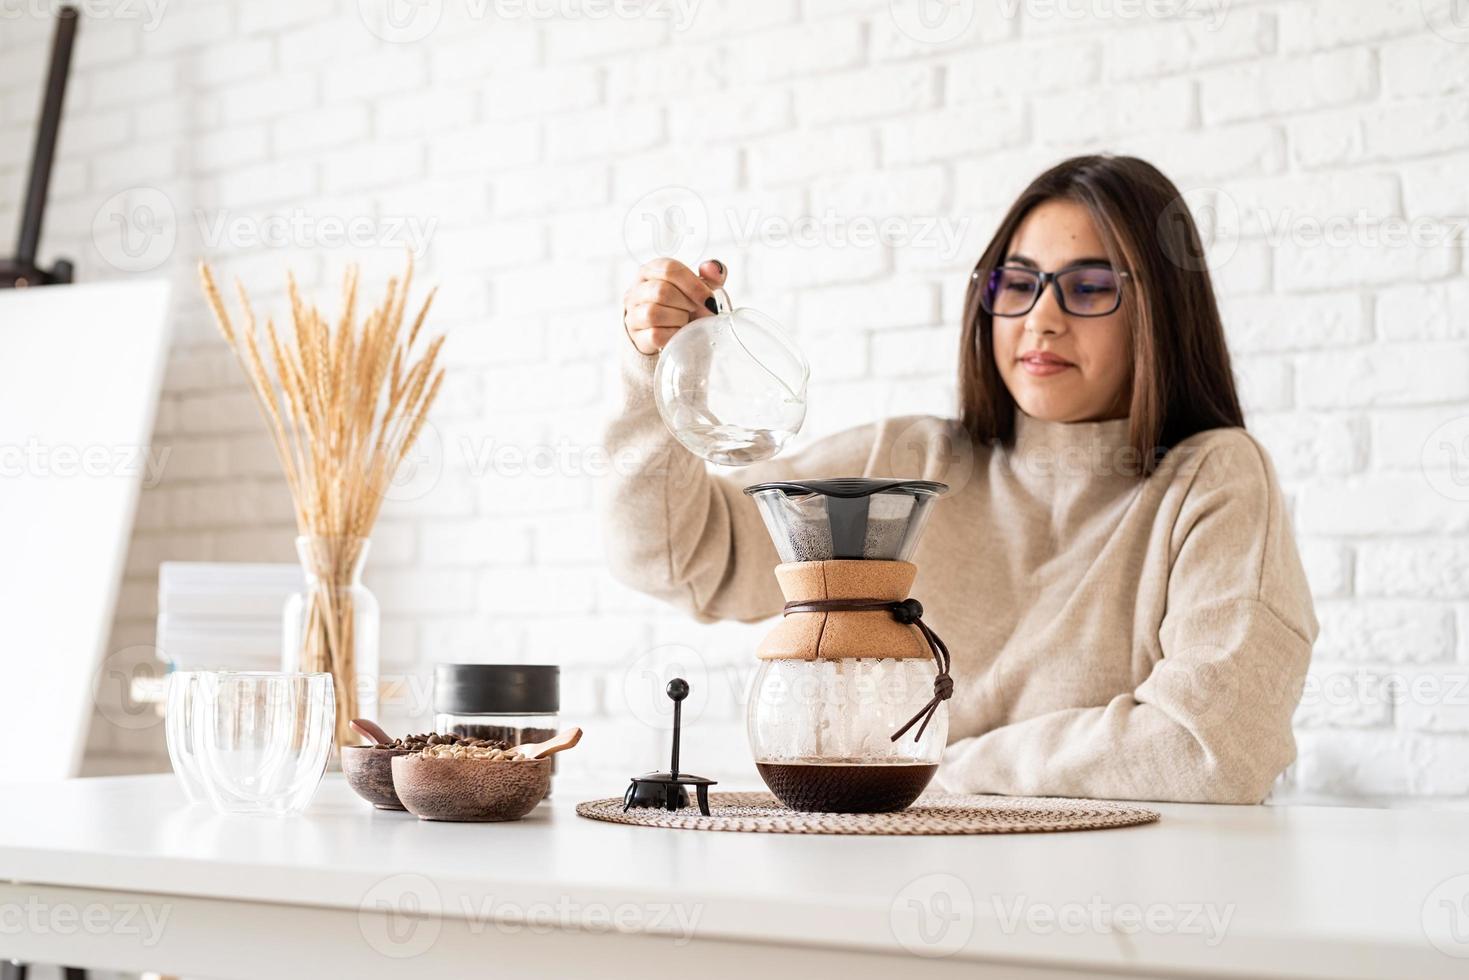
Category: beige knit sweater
[1113,636]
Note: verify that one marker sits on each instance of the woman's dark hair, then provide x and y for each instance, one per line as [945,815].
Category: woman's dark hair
[1181,378]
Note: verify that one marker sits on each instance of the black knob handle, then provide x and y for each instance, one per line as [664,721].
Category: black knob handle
[678,689]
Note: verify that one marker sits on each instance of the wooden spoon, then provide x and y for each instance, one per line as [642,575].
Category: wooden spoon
[559,742]
[371,731]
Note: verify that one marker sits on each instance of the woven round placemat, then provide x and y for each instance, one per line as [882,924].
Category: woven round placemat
[936,813]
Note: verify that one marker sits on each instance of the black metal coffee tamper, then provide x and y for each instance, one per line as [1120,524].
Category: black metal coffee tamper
[666,789]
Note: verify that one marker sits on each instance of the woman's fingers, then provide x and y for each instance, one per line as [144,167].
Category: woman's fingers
[666,297]
[650,326]
[713,272]
[660,292]
[653,340]
[676,273]
[645,315]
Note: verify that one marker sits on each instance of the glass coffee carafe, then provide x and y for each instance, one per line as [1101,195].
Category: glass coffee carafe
[731,387]
[846,711]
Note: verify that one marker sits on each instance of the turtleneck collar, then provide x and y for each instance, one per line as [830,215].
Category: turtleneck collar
[1079,451]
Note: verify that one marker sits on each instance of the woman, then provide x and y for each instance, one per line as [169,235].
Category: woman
[1113,567]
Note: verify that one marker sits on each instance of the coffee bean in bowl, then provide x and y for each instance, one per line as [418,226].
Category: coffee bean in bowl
[369,771]
[488,752]
[435,784]
[417,743]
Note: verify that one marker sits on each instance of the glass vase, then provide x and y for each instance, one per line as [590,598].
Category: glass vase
[333,627]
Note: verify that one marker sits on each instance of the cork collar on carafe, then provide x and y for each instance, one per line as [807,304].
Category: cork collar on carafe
[843,635]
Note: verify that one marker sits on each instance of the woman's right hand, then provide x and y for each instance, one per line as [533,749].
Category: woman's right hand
[666,296]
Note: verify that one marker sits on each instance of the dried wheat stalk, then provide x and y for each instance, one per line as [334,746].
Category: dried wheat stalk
[344,404]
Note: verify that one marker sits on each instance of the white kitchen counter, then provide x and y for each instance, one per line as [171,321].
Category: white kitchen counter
[119,872]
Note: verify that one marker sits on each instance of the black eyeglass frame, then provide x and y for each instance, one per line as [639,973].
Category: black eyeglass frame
[1047,279]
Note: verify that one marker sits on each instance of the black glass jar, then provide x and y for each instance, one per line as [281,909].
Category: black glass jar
[509,703]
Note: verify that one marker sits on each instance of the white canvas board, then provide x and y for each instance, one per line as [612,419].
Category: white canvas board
[80,372]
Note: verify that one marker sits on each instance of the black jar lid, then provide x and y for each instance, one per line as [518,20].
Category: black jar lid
[501,689]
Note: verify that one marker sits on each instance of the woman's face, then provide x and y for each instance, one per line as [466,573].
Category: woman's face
[1060,367]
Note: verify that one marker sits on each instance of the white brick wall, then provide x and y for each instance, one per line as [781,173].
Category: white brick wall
[1323,143]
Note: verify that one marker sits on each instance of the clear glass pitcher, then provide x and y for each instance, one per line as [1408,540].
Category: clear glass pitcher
[732,387]
[845,713]
[821,732]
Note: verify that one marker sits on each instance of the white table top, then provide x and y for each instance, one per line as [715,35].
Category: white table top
[1308,891]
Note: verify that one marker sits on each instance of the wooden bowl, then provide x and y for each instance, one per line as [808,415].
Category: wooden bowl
[369,772]
[470,789]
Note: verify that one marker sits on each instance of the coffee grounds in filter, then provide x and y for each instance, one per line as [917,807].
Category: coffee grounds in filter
[811,540]
[884,537]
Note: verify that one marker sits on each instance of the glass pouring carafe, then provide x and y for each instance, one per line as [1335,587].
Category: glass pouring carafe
[732,387]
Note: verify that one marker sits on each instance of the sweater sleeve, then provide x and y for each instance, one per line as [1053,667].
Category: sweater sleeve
[1211,723]
[676,531]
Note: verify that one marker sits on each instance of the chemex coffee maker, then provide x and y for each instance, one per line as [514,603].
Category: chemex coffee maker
[846,713]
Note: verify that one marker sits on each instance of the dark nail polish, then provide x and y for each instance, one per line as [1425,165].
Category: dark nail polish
[713,306]
[722,269]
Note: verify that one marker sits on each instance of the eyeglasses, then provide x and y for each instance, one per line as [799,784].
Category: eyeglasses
[1082,290]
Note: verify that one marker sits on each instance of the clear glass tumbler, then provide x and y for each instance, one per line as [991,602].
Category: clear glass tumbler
[181,733]
[264,739]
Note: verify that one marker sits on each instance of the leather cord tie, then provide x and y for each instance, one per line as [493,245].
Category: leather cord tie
[907,612]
